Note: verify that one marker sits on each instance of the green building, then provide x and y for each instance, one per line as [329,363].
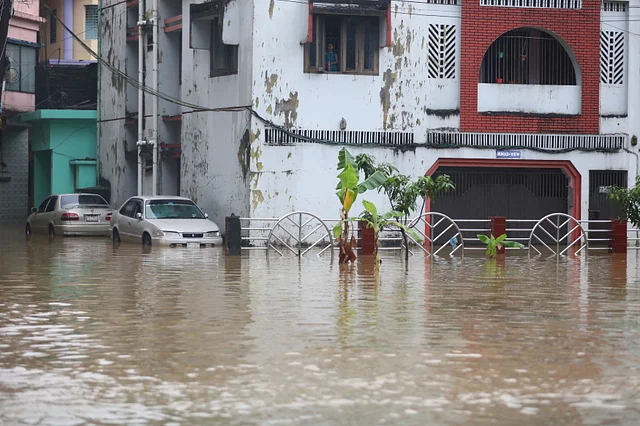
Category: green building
[63,143]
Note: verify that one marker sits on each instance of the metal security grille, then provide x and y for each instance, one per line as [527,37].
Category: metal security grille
[614,6]
[524,194]
[442,51]
[447,2]
[527,56]
[612,57]
[277,136]
[545,4]
[536,141]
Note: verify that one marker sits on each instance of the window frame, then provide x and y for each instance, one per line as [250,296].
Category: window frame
[319,39]
[91,30]
[53,26]
[10,87]
[216,42]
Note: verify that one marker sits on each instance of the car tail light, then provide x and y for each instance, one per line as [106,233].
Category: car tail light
[108,217]
[69,216]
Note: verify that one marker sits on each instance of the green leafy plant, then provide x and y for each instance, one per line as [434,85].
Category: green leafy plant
[628,202]
[402,192]
[494,244]
[348,189]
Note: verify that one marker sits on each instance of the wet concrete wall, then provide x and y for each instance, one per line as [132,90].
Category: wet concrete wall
[14,174]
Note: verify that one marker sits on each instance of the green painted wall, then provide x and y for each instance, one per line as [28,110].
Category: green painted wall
[59,139]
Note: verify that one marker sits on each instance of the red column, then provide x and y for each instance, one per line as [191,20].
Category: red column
[498,226]
[367,239]
[618,241]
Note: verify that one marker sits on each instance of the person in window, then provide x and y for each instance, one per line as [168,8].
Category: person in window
[331,59]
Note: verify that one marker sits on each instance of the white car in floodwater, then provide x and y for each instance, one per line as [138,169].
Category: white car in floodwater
[70,214]
[163,220]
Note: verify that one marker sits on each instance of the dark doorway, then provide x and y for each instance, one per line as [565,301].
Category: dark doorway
[525,194]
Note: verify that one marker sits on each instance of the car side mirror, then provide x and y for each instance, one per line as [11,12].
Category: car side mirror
[206,216]
[139,216]
[34,210]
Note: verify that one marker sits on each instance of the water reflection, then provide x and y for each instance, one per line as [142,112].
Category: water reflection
[93,334]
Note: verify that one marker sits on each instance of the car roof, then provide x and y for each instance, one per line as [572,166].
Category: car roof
[77,193]
[161,197]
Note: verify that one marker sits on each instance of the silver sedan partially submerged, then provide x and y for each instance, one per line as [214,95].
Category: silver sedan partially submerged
[70,214]
[163,220]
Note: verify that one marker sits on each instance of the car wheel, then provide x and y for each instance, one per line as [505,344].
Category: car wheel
[52,232]
[116,237]
[27,230]
[146,239]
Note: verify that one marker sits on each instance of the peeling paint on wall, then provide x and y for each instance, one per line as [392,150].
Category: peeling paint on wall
[385,99]
[288,108]
[270,82]
[244,154]
[256,198]
[271,6]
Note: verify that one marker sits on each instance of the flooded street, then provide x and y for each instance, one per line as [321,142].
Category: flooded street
[90,334]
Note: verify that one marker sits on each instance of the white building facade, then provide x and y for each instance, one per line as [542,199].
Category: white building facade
[521,106]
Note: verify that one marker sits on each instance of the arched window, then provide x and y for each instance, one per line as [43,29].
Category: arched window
[527,56]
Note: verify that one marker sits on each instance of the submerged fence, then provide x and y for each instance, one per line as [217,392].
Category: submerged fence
[300,233]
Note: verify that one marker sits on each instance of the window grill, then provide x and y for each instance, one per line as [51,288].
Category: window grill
[91,22]
[527,56]
[442,51]
[614,6]
[612,57]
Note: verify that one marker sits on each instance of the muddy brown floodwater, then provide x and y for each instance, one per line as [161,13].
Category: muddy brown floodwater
[92,334]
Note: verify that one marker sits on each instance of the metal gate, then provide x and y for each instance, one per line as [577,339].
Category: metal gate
[513,193]
[600,208]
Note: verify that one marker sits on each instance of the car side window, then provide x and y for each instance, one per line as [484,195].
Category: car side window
[127,209]
[43,206]
[52,204]
[137,209]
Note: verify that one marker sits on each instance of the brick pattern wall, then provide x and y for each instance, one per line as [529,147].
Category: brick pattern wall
[14,194]
[580,29]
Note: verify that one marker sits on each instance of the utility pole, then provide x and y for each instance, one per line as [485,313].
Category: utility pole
[6,9]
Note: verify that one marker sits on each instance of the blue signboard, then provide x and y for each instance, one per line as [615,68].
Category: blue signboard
[505,153]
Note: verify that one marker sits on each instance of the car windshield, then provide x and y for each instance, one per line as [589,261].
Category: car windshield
[71,201]
[172,209]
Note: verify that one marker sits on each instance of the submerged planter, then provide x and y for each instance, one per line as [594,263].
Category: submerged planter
[618,242]
[367,238]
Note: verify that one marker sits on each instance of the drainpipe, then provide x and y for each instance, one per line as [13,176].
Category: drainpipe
[154,77]
[141,142]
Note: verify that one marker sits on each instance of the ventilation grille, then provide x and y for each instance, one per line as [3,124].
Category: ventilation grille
[442,51]
[612,57]
[447,2]
[542,4]
[533,141]
[355,137]
[614,6]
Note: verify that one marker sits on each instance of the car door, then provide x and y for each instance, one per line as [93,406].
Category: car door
[50,212]
[125,220]
[138,224]
[38,220]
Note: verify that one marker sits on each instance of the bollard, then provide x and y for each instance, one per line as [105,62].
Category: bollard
[367,239]
[234,236]
[497,227]
[618,242]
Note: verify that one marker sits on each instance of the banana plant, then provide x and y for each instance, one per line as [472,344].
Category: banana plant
[494,244]
[348,189]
